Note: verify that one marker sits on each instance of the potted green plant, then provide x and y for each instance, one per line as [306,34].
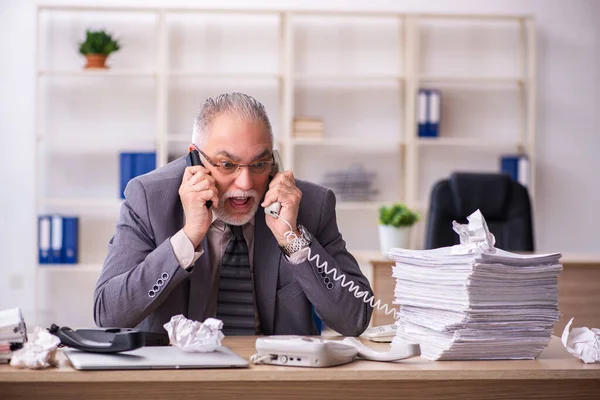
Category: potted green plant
[96,47]
[395,222]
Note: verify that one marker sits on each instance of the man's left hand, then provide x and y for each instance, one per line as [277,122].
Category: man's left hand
[284,190]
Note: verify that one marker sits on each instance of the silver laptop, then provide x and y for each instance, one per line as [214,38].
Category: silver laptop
[155,357]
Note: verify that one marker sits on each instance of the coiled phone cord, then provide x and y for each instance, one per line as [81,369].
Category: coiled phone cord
[353,287]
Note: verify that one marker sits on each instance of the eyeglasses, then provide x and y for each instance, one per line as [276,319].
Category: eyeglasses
[229,167]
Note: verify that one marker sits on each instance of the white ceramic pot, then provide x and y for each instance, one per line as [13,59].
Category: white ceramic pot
[391,237]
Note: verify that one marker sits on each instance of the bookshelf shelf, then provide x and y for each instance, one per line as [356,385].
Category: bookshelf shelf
[97,73]
[483,80]
[360,143]
[84,143]
[233,76]
[304,79]
[96,268]
[92,204]
[469,142]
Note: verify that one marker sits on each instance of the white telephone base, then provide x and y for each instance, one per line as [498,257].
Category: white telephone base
[303,351]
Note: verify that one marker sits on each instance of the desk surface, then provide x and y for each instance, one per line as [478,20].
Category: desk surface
[555,370]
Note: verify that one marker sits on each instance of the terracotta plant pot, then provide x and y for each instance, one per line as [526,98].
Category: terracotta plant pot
[96,61]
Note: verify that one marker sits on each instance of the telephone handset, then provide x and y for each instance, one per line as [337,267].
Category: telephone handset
[274,208]
[192,159]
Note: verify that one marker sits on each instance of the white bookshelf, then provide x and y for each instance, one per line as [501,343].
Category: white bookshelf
[358,71]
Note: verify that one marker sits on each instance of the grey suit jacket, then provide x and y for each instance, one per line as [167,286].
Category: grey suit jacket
[140,259]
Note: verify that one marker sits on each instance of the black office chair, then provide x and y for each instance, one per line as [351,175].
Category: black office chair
[503,202]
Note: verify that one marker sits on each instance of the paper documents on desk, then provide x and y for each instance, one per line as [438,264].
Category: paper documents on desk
[583,343]
[13,333]
[474,301]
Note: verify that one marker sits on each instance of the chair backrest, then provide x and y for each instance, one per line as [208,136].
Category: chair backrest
[503,202]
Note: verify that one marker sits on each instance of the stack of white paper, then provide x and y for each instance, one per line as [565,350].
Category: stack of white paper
[477,306]
[13,333]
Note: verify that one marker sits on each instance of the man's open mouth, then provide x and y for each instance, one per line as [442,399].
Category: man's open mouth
[239,201]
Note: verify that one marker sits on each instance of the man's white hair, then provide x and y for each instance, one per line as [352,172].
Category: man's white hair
[235,104]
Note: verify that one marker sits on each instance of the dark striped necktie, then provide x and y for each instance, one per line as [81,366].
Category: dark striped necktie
[235,305]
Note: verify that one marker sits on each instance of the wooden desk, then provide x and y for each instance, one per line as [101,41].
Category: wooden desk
[556,374]
[578,286]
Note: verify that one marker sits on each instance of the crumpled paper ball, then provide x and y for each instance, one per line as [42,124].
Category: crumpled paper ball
[475,237]
[583,343]
[39,353]
[193,336]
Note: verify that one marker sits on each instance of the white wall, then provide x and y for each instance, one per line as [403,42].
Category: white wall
[568,189]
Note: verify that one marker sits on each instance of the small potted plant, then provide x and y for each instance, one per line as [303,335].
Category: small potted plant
[96,47]
[395,222]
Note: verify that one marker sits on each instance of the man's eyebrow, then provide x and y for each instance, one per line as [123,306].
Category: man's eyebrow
[230,156]
[262,154]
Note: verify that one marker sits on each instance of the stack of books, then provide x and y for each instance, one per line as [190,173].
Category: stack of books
[480,306]
[353,184]
[13,333]
[305,127]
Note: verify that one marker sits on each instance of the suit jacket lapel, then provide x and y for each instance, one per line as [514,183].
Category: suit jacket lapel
[200,280]
[266,271]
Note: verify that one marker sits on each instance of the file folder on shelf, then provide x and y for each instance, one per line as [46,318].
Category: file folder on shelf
[44,237]
[126,171]
[144,163]
[517,167]
[132,165]
[429,112]
[433,113]
[56,243]
[70,240]
[422,113]
[58,239]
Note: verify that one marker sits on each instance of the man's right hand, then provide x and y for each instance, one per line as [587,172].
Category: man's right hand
[197,187]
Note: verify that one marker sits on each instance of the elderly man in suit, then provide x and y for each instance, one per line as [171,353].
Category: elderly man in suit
[173,254]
